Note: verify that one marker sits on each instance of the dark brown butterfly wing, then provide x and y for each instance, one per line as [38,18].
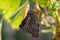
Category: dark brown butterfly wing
[25,24]
[30,24]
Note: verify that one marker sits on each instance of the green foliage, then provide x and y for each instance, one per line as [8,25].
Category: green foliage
[53,8]
[1,14]
[51,11]
[22,2]
[57,4]
[12,10]
[50,5]
[17,18]
[9,6]
[43,3]
[53,29]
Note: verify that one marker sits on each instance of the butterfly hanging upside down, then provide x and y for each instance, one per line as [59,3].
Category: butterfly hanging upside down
[30,24]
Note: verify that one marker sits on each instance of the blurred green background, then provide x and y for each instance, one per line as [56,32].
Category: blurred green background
[11,16]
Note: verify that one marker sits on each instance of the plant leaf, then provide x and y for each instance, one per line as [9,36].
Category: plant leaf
[18,17]
[9,6]
[53,29]
[42,3]
[57,4]
[1,14]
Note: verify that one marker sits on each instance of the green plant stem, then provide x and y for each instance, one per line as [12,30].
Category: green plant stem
[31,5]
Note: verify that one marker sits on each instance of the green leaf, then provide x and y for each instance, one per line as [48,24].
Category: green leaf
[45,31]
[1,14]
[57,4]
[51,11]
[22,2]
[42,3]
[9,6]
[18,17]
[52,29]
